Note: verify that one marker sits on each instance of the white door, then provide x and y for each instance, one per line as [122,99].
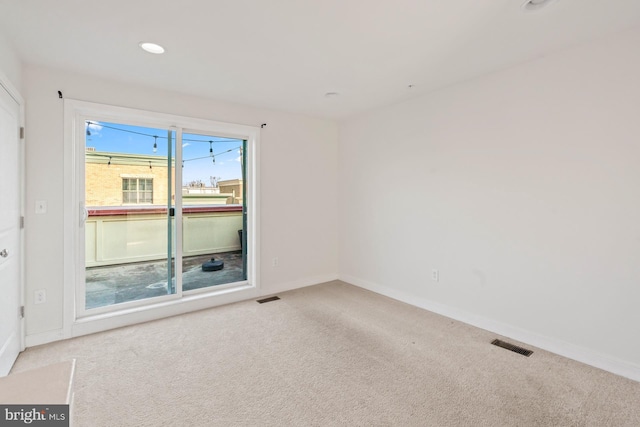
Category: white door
[10,324]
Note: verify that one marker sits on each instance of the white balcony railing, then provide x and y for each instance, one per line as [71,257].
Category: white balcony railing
[120,235]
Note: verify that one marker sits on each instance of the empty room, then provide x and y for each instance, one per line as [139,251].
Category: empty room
[320,213]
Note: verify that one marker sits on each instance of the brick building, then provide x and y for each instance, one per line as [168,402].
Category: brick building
[117,179]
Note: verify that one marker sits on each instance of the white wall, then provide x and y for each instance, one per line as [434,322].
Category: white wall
[10,64]
[295,149]
[522,189]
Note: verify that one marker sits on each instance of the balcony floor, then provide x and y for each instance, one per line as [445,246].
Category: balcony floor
[120,283]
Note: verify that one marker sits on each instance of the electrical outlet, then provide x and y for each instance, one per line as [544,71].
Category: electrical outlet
[40,297]
[435,275]
[274,262]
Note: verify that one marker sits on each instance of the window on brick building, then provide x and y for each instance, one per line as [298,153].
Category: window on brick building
[137,190]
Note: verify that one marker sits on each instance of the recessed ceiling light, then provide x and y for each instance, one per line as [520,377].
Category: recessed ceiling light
[152,47]
[331,94]
[531,5]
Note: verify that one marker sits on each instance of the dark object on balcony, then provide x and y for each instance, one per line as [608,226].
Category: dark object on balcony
[213,265]
[240,237]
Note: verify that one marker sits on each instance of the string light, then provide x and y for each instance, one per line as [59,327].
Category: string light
[211,155]
[155,136]
[145,162]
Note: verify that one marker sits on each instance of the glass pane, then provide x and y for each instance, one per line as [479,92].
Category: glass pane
[128,234]
[212,211]
[145,197]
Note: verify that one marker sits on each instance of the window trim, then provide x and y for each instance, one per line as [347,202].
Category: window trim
[137,190]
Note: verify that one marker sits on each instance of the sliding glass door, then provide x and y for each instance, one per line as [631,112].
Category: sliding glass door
[213,206]
[165,214]
[129,228]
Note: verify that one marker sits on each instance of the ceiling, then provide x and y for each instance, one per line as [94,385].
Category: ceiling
[286,54]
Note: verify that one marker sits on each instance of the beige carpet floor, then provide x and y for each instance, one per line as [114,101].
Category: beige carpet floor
[328,355]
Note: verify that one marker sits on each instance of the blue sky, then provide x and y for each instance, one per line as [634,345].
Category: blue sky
[198,165]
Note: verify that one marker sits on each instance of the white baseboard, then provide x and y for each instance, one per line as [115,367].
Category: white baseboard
[8,353]
[562,348]
[301,283]
[40,338]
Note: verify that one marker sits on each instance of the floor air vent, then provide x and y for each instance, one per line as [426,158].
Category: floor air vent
[262,301]
[514,348]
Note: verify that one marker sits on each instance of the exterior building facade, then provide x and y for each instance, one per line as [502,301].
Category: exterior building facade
[116,179]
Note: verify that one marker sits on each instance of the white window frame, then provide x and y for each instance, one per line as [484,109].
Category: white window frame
[78,321]
[137,190]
